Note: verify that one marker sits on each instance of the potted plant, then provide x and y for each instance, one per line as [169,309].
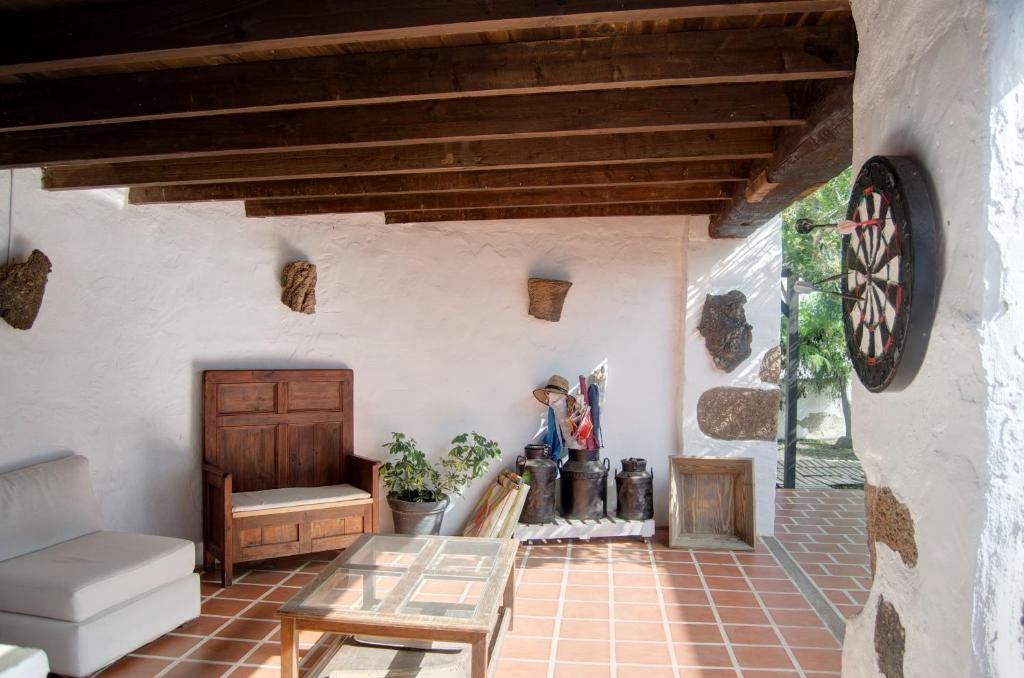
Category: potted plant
[419,492]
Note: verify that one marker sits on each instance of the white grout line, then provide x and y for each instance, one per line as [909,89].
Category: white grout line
[553,653]
[610,586]
[231,666]
[718,619]
[665,628]
[775,627]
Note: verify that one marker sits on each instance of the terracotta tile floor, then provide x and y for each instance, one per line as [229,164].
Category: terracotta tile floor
[625,608]
[604,608]
[824,531]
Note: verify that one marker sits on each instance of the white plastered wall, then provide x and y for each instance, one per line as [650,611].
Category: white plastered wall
[716,266]
[432,318]
[941,81]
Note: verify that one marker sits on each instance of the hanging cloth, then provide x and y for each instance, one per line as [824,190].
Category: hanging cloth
[552,437]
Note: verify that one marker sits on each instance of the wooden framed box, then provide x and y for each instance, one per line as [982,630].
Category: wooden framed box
[711,503]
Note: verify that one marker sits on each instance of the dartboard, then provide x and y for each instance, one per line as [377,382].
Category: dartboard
[888,276]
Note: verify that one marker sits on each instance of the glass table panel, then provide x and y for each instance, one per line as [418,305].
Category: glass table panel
[439,596]
[466,557]
[410,581]
[353,590]
[387,551]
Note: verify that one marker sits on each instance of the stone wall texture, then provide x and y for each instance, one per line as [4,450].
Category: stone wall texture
[726,331]
[21,290]
[890,523]
[890,640]
[298,280]
[729,413]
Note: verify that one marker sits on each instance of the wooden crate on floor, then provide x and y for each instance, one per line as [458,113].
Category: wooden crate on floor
[712,503]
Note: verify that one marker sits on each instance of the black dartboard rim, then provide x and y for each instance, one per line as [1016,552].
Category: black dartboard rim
[904,194]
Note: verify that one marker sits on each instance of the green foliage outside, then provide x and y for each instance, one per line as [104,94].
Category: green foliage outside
[824,365]
[409,476]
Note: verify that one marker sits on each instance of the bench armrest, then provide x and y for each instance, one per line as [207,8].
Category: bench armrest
[363,473]
[214,475]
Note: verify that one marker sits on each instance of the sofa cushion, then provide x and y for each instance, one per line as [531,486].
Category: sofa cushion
[287,497]
[46,504]
[77,579]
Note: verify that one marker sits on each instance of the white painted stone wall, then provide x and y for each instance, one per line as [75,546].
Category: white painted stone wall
[941,81]
[998,622]
[716,266]
[819,417]
[432,318]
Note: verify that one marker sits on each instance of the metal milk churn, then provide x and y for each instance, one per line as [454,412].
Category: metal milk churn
[584,486]
[542,477]
[634,486]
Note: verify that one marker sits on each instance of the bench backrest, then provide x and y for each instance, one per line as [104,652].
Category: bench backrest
[46,504]
[278,428]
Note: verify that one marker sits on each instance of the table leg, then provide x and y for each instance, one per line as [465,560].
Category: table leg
[479,658]
[509,600]
[289,649]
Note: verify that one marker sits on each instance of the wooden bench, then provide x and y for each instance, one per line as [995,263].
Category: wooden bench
[279,475]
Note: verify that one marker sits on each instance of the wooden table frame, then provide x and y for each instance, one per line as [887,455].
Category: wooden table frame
[476,637]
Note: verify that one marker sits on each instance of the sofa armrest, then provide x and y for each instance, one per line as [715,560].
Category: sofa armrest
[363,473]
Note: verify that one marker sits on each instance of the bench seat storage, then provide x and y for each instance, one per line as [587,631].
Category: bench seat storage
[279,475]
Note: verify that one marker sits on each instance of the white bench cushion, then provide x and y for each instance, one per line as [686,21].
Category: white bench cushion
[287,497]
[77,579]
[46,504]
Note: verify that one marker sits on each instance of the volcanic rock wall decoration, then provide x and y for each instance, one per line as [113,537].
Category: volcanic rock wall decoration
[771,366]
[739,413]
[890,640]
[726,332]
[21,290]
[889,522]
[547,298]
[299,282]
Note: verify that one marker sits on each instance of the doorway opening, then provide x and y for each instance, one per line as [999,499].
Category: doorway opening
[816,448]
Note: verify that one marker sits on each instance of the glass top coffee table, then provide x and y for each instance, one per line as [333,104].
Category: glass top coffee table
[448,589]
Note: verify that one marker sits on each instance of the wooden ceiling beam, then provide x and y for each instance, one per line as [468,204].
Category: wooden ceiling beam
[451,182]
[625,61]
[138,31]
[508,117]
[480,199]
[556,212]
[803,160]
[708,145]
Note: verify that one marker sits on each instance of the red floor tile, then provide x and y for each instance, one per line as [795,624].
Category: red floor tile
[760,657]
[579,608]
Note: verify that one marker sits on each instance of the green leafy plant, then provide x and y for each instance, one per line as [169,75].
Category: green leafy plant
[409,476]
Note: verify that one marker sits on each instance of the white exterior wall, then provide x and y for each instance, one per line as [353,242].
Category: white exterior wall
[819,417]
[715,266]
[941,81]
[432,318]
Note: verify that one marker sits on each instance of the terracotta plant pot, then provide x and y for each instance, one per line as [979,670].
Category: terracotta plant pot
[417,517]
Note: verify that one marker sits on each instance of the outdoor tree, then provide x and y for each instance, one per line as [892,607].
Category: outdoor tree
[823,366]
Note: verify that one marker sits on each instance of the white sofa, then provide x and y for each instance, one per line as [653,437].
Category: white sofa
[83,595]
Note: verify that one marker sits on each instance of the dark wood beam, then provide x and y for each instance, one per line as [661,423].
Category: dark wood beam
[803,160]
[711,145]
[451,182]
[536,115]
[476,199]
[139,31]
[648,209]
[625,61]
